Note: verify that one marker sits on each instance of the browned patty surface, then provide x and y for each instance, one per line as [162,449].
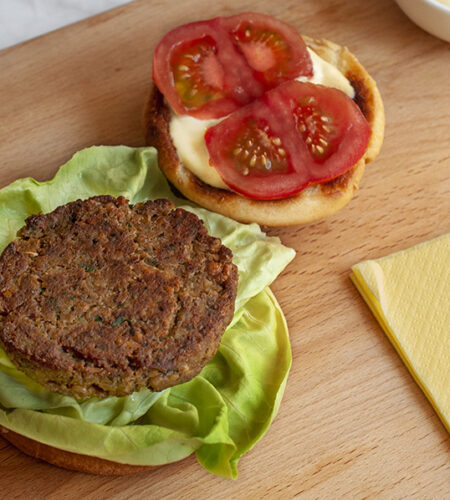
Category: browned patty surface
[98,298]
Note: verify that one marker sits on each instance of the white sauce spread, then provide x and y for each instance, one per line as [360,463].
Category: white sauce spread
[188,134]
[326,74]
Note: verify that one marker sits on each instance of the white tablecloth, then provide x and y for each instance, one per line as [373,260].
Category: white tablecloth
[21,20]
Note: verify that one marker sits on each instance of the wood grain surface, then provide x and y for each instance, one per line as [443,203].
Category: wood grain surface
[352,423]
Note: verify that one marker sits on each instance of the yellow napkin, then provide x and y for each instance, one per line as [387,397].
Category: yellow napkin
[409,294]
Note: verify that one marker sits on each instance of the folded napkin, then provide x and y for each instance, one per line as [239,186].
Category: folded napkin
[409,294]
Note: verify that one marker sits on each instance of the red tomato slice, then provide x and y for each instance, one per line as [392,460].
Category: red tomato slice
[273,49]
[210,68]
[295,135]
[252,152]
[332,133]
[200,72]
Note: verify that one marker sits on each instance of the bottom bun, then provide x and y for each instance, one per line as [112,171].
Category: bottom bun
[69,460]
[311,204]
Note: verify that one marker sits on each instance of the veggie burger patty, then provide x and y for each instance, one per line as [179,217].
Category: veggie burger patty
[100,298]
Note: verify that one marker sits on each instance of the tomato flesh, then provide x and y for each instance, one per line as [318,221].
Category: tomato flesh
[332,133]
[210,68]
[273,49]
[315,128]
[319,132]
[197,73]
[252,153]
[257,147]
[194,67]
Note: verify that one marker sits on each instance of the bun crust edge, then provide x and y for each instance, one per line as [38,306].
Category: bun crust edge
[69,460]
[311,204]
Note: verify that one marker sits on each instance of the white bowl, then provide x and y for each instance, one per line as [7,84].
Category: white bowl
[431,15]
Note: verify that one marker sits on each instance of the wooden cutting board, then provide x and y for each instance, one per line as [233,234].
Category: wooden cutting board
[352,423]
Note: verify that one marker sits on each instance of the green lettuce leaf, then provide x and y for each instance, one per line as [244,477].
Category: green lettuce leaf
[221,413]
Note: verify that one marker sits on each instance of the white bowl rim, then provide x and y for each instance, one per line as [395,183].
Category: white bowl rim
[438,5]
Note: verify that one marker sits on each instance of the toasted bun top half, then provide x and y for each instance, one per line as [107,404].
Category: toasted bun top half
[311,204]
